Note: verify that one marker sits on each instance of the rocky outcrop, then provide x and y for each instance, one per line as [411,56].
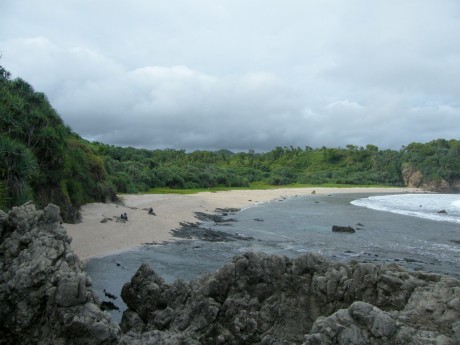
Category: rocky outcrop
[50,193]
[414,178]
[262,299]
[46,298]
[45,294]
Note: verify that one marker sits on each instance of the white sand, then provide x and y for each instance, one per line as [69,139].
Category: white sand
[91,238]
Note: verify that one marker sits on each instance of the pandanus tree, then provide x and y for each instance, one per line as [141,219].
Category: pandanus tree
[17,168]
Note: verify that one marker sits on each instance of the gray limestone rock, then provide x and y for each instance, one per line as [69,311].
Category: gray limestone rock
[46,298]
[263,299]
[45,293]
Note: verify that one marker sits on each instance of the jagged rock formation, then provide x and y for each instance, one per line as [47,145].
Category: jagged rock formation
[262,299]
[46,298]
[45,294]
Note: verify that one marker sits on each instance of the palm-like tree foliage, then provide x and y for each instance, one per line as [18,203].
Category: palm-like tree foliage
[17,168]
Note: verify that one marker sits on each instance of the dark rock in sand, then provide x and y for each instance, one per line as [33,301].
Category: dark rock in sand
[45,293]
[338,228]
[262,299]
[194,231]
[228,210]
[212,217]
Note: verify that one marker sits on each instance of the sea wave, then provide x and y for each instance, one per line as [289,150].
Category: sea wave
[436,207]
[456,203]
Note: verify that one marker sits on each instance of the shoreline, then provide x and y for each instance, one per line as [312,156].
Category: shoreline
[93,238]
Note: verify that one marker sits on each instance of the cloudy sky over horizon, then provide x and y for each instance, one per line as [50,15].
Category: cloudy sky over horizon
[211,74]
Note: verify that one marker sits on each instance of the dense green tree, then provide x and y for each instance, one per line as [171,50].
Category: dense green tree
[41,158]
[18,167]
[283,165]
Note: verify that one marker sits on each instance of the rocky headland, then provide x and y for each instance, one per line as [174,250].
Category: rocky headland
[413,178]
[46,298]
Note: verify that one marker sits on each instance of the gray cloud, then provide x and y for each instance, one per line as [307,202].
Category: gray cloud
[242,75]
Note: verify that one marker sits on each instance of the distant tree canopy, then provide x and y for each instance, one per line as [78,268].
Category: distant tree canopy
[42,160]
[137,170]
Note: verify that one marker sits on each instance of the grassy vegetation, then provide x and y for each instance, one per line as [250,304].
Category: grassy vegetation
[255,186]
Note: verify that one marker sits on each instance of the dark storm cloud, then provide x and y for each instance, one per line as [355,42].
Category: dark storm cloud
[242,75]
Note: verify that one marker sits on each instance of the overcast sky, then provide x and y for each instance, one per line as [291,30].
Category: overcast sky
[242,74]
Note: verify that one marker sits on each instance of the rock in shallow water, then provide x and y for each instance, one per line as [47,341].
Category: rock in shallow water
[338,228]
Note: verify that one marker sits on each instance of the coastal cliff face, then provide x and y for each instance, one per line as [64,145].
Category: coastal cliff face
[46,298]
[414,178]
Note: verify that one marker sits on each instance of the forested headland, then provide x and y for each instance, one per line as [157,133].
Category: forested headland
[43,160]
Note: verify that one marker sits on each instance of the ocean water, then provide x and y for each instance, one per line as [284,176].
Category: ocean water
[403,228]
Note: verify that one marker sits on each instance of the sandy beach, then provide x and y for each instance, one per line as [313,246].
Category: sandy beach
[93,238]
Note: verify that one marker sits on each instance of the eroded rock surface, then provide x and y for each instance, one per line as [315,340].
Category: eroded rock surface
[262,299]
[45,294]
[414,178]
[46,298]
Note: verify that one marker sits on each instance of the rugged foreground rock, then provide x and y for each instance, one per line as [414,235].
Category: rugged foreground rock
[46,298]
[45,294]
[262,299]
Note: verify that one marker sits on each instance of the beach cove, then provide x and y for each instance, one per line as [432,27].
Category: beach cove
[99,234]
[281,222]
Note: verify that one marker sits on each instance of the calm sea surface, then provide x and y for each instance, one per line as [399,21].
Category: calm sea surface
[404,228]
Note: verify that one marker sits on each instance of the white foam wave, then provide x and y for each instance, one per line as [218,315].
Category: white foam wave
[436,207]
[456,203]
